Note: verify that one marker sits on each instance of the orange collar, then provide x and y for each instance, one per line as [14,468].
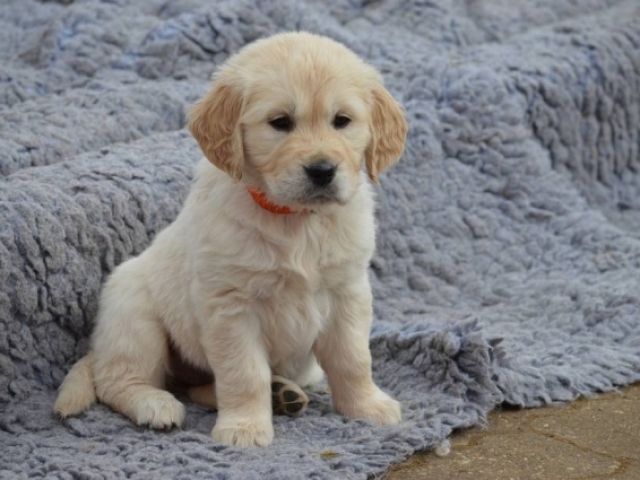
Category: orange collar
[261,199]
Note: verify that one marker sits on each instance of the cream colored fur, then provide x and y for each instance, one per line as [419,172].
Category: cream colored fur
[242,292]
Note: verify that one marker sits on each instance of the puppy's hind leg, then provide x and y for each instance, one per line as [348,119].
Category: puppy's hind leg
[131,353]
[204,395]
[310,373]
[77,392]
[287,398]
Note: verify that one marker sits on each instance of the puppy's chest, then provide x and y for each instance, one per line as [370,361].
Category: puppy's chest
[296,295]
[316,264]
[299,286]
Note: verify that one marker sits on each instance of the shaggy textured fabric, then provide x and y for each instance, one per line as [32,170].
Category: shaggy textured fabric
[508,262]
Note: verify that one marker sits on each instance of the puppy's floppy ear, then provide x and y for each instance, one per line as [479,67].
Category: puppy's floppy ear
[388,133]
[215,123]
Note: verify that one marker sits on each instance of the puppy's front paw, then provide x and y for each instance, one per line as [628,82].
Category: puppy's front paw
[243,433]
[159,409]
[379,408]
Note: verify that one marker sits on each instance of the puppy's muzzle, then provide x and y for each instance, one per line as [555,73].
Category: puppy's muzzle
[321,173]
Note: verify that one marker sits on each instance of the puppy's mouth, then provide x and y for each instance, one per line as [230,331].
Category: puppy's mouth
[300,192]
[320,195]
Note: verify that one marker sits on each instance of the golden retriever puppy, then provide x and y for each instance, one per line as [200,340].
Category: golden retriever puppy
[264,271]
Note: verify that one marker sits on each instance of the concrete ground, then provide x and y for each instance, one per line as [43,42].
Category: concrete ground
[595,438]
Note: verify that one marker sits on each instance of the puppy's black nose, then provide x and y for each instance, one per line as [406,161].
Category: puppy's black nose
[321,173]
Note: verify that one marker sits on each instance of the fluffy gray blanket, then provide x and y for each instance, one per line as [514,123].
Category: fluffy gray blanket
[508,262]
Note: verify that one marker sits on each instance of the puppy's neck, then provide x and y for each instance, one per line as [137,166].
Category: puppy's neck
[264,203]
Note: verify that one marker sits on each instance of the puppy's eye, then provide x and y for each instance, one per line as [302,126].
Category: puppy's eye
[282,124]
[341,121]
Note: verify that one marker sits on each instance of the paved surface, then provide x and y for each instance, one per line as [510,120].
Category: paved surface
[589,439]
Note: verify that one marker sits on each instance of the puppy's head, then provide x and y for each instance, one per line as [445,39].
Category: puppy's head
[297,116]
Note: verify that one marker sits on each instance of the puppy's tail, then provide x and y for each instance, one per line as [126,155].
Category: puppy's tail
[77,392]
